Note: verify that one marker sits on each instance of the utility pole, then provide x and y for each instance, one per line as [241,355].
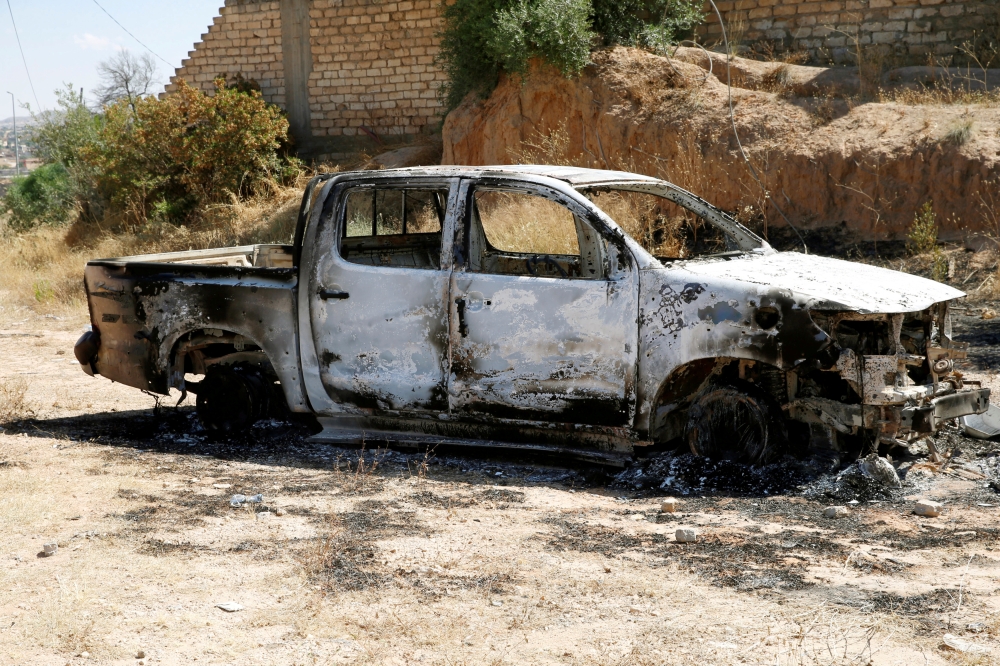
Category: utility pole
[17,150]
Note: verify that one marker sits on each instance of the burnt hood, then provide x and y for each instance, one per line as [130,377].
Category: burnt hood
[830,284]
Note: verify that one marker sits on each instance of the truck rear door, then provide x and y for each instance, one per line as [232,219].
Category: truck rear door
[378,266]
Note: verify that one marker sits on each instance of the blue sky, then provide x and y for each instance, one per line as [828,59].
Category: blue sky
[64,40]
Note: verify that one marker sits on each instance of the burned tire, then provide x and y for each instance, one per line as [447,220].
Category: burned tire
[736,422]
[232,399]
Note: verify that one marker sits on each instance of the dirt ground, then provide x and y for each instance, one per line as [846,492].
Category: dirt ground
[406,559]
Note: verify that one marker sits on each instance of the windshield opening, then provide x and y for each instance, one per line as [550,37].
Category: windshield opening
[668,230]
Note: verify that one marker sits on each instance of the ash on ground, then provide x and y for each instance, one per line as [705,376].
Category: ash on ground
[820,477]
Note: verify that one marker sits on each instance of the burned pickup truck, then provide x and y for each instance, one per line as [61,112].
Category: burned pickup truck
[576,311]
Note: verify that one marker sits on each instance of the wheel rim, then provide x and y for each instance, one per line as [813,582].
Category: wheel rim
[728,424]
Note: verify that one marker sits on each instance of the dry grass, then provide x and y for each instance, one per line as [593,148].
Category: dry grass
[42,270]
[14,403]
[525,223]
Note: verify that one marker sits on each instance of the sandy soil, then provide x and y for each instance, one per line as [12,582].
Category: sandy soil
[437,560]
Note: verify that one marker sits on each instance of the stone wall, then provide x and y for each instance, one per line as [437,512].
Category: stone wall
[831,31]
[352,74]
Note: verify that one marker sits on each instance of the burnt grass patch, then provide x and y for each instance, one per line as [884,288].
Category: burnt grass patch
[687,474]
[926,608]
[347,556]
[492,498]
[745,563]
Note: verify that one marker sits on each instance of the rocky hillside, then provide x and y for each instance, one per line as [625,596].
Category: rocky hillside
[827,159]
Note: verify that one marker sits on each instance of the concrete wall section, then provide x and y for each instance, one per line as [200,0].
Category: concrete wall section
[908,32]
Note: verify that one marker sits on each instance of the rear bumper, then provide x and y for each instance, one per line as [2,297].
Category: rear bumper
[86,351]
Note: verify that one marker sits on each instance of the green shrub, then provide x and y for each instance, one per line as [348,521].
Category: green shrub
[557,31]
[62,133]
[481,38]
[923,235]
[45,196]
[167,159]
[648,23]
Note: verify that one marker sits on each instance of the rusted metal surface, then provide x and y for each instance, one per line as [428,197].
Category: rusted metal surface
[609,351]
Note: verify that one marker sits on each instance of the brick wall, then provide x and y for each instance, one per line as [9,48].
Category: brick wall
[372,66]
[245,38]
[830,31]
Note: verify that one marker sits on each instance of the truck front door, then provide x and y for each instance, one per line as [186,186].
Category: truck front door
[377,291]
[544,323]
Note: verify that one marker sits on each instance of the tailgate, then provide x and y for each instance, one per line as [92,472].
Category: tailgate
[126,355]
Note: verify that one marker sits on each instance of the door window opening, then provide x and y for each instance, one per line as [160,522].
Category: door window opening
[516,232]
[395,227]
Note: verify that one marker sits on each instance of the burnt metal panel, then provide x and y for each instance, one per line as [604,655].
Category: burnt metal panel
[546,349]
[158,304]
[383,345]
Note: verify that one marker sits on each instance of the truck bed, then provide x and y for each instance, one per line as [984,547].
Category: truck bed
[255,256]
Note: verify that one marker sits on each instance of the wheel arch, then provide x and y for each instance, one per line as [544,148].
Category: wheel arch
[668,415]
[279,358]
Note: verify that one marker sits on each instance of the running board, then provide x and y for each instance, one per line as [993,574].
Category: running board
[336,434]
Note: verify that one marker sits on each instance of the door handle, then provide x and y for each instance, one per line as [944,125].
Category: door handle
[463,328]
[327,295]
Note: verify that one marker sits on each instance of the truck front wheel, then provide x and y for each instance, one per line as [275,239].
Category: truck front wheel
[232,399]
[738,422]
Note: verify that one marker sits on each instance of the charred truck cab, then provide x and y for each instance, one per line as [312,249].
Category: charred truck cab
[577,312]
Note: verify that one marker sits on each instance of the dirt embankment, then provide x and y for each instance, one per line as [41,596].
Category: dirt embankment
[826,158]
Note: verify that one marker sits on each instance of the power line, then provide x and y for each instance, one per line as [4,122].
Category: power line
[23,59]
[129,33]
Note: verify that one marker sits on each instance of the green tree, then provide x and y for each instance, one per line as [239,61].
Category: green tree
[45,196]
[167,158]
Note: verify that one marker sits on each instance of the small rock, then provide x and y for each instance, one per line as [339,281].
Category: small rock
[989,314]
[637,516]
[230,607]
[263,515]
[836,512]
[222,486]
[880,469]
[85,655]
[686,535]
[668,505]
[279,512]
[497,602]
[927,508]
[970,534]
[50,549]
[961,645]
[634,611]
[140,655]
[976,627]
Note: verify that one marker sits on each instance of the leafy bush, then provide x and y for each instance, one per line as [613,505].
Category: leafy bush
[168,158]
[648,23]
[61,134]
[923,235]
[557,31]
[481,38]
[45,196]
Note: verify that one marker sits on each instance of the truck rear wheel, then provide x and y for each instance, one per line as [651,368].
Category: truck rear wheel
[736,422]
[232,399]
